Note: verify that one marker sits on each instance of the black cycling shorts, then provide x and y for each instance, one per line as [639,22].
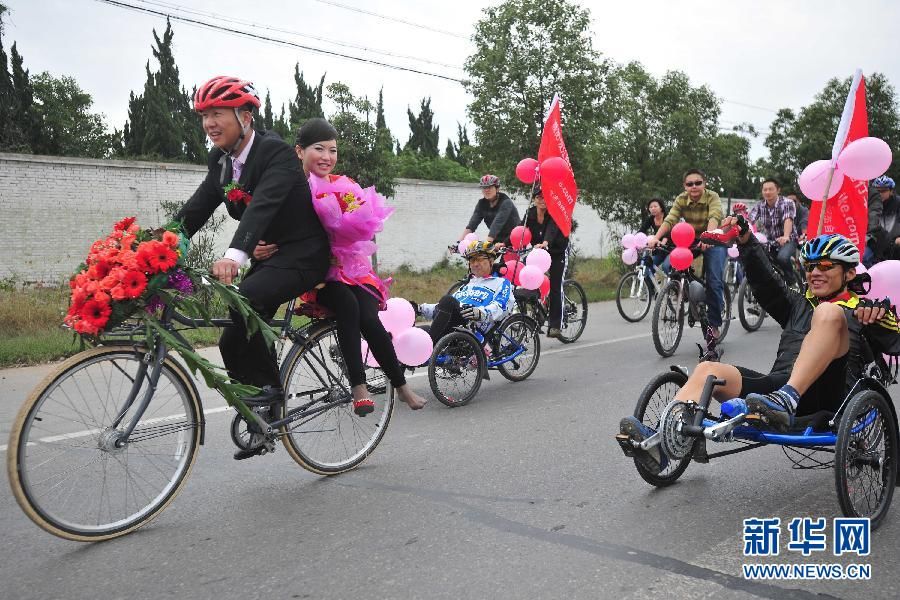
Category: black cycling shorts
[826,393]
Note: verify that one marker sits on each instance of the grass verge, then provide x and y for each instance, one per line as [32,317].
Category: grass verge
[30,319]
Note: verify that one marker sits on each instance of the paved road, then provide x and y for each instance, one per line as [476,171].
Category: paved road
[521,494]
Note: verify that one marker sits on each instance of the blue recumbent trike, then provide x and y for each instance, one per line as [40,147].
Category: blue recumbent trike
[861,435]
[462,358]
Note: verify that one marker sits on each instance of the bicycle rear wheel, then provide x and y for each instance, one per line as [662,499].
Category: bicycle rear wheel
[750,313]
[518,334]
[865,462]
[68,468]
[633,297]
[726,313]
[331,438]
[575,312]
[668,319]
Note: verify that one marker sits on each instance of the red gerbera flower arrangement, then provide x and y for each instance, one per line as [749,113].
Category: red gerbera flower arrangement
[123,273]
[234,192]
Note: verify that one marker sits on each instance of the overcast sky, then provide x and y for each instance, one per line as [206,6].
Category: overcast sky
[767,54]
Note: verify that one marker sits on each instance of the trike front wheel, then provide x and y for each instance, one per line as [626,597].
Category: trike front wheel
[456,368]
[650,405]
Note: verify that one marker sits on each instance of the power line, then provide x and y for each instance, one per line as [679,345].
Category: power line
[228,19]
[394,19]
[771,110]
[200,23]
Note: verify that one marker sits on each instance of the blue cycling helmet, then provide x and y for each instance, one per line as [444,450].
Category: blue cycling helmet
[883,182]
[830,246]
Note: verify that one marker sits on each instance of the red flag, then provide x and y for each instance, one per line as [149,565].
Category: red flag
[847,213]
[559,190]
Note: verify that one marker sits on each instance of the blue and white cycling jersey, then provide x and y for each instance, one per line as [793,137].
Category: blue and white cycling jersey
[491,294]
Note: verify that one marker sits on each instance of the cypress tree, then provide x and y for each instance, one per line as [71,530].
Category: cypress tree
[308,101]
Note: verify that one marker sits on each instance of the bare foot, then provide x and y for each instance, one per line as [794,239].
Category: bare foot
[412,399]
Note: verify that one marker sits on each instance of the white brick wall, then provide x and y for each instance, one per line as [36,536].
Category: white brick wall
[52,208]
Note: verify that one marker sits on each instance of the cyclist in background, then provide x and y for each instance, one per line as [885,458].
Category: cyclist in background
[801,222]
[656,214]
[545,234]
[497,211]
[883,237]
[702,209]
[485,299]
[775,217]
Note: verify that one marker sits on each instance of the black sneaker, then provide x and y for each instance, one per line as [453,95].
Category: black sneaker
[777,408]
[654,459]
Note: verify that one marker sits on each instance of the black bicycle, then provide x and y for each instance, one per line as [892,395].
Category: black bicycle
[109,438]
[750,313]
[684,296]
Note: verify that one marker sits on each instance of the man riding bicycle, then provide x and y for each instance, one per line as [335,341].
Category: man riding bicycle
[820,351]
[883,237]
[258,178]
[702,209]
[776,215]
[497,211]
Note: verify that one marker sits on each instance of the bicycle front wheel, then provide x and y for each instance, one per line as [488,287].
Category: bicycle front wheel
[575,312]
[750,313]
[329,438]
[668,319]
[633,297]
[518,337]
[71,470]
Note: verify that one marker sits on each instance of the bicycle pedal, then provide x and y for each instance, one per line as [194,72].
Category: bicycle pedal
[625,444]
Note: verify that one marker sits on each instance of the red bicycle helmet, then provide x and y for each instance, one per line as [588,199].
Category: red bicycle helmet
[227,92]
[490,180]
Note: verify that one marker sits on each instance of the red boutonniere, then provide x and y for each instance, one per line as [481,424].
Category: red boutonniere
[234,192]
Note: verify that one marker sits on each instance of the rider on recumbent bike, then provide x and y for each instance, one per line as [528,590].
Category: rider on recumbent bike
[820,352]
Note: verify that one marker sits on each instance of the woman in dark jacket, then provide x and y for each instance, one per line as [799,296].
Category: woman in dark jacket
[546,234]
[656,213]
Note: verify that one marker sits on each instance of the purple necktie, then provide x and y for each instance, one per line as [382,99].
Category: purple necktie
[236,167]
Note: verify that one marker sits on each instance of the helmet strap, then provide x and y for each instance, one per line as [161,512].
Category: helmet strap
[244,131]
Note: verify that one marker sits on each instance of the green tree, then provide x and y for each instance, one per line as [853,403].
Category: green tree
[161,121]
[462,151]
[360,158]
[307,102]
[661,128]
[384,141]
[424,135]
[794,141]
[12,135]
[67,125]
[525,52]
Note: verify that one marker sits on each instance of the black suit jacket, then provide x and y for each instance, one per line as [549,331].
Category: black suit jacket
[280,212]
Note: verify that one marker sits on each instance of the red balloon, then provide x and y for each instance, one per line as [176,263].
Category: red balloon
[526,170]
[554,168]
[513,268]
[545,287]
[520,237]
[683,235]
[681,258]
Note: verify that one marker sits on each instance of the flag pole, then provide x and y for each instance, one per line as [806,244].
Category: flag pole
[824,200]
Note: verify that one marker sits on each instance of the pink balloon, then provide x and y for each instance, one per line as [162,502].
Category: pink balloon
[545,287]
[683,235]
[885,280]
[812,180]
[413,346]
[513,270]
[398,317]
[761,237]
[629,256]
[540,258]
[681,258]
[471,237]
[463,246]
[865,158]
[861,268]
[628,240]
[733,251]
[367,355]
[531,277]
[520,237]
[640,240]
[525,170]
[554,168]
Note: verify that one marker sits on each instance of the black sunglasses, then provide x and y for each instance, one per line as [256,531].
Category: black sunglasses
[693,183]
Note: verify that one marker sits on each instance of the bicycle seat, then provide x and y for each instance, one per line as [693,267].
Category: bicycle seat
[307,306]
[523,294]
